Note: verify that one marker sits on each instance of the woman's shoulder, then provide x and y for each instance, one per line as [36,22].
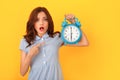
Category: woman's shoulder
[23,41]
[57,34]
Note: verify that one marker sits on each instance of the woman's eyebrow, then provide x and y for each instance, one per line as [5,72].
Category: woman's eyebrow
[44,17]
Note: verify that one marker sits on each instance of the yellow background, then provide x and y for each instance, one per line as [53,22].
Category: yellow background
[100,21]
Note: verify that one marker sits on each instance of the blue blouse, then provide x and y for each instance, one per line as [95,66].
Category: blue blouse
[45,65]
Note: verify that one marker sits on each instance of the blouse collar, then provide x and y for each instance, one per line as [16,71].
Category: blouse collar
[45,36]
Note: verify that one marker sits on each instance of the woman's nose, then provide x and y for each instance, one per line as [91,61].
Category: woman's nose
[41,22]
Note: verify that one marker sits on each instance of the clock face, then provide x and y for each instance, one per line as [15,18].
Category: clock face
[71,33]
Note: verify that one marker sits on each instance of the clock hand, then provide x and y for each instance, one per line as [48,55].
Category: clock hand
[71,33]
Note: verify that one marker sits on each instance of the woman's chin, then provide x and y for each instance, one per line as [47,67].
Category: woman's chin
[41,33]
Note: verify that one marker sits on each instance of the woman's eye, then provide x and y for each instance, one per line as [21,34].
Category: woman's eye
[45,19]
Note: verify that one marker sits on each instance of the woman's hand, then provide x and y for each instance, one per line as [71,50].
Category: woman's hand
[35,49]
[70,18]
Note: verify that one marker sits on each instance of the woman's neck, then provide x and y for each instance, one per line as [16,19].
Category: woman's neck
[40,35]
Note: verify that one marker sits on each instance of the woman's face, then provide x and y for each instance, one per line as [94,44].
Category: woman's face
[41,25]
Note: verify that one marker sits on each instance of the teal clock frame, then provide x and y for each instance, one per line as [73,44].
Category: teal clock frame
[65,25]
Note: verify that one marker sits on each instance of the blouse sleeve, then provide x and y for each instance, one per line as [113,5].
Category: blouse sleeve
[59,40]
[23,45]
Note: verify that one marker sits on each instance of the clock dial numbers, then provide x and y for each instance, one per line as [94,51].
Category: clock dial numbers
[67,34]
[75,34]
[71,33]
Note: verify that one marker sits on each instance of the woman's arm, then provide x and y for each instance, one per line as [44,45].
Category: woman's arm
[25,62]
[26,58]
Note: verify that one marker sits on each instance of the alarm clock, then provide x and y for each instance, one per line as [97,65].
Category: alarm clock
[71,33]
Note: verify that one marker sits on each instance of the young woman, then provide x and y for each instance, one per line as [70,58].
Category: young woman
[40,45]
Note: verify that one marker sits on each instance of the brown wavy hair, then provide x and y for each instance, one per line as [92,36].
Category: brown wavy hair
[30,30]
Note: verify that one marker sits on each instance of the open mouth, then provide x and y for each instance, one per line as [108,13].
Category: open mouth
[41,28]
